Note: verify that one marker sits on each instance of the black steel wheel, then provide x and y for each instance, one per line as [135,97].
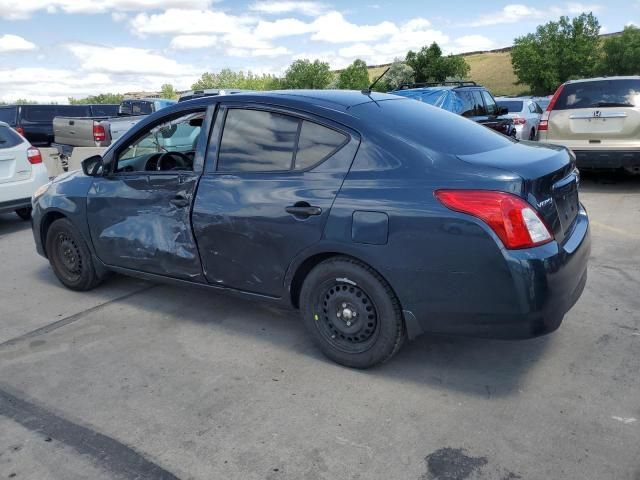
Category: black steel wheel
[70,257]
[352,313]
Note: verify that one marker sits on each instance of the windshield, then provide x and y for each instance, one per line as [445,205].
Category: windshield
[511,105]
[599,94]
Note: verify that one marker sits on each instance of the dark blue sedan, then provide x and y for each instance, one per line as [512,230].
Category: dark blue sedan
[379,217]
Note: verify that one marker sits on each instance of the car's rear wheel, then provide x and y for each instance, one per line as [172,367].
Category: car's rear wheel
[352,313]
[70,257]
[24,213]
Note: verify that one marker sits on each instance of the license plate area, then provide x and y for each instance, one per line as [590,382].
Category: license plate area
[565,196]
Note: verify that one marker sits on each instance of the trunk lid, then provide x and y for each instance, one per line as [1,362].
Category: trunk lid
[14,165]
[549,180]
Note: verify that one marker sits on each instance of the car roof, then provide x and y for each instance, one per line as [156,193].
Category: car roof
[337,99]
[595,79]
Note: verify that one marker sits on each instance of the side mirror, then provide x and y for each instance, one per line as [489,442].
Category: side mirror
[502,111]
[93,166]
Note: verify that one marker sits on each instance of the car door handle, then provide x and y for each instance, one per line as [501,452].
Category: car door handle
[179,201]
[303,210]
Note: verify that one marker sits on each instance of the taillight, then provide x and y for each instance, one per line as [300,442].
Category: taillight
[20,130]
[544,120]
[33,155]
[519,120]
[509,216]
[99,133]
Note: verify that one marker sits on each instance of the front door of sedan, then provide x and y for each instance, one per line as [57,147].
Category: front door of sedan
[139,212]
[266,193]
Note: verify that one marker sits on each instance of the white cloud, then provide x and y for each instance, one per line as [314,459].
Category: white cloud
[278,7]
[258,52]
[515,13]
[283,27]
[334,28]
[180,21]
[189,42]
[13,43]
[12,10]
[471,43]
[126,60]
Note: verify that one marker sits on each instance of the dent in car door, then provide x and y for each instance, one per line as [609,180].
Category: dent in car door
[135,224]
[250,225]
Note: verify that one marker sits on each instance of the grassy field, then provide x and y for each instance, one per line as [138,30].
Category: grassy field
[493,70]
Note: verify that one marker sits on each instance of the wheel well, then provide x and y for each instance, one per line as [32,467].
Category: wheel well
[302,272]
[48,219]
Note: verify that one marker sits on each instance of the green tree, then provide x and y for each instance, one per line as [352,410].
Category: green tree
[398,73]
[24,101]
[621,54]
[429,65]
[167,91]
[557,52]
[102,98]
[227,78]
[354,77]
[307,74]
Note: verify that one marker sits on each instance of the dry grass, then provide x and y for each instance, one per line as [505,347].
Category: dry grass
[492,70]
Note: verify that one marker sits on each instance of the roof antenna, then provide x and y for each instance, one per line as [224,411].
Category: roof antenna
[367,91]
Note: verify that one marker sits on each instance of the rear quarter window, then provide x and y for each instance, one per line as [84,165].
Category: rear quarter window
[599,94]
[8,138]
[39,113]
[316,143]
[8,115]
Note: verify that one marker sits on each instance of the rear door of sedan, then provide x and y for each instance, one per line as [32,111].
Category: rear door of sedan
[271,177]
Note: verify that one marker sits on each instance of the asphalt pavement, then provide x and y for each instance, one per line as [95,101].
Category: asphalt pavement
[142,381]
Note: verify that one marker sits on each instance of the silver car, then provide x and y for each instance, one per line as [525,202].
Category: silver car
[525,113]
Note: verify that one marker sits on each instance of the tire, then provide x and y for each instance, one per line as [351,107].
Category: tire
[24,213]
[352,313]
[70,257]
[532,135]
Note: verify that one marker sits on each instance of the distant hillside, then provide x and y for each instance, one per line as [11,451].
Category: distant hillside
[491,69]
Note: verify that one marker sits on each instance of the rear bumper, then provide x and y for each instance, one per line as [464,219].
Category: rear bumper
[607,159]
[15,195]
[544,283]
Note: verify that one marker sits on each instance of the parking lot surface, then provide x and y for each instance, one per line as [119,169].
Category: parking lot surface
[135,380]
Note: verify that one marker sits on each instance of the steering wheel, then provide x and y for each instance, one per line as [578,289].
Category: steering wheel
[172,161]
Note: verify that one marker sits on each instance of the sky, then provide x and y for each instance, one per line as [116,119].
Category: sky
[53,49]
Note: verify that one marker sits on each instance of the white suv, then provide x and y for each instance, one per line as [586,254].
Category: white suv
[21,172]
[599,119]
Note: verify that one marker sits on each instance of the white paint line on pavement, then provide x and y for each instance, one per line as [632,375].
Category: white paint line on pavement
[625,420]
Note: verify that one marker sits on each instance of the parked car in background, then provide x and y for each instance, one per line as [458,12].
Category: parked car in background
[101,130]
[468,99]
[599,119]
[35,122]
[525,113]
[378,217]
[210,92]
[543,102]
[21,172]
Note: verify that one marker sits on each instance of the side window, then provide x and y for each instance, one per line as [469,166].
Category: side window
[169,146]
[468,108]
[532,108]
[480,107]
[141,108]
[492,108]
[316,143]
[257,141]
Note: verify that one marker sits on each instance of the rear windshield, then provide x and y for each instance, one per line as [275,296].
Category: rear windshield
[510,105]
[599,94]
[434,128]
[8,115]
[74,110]
[8,138]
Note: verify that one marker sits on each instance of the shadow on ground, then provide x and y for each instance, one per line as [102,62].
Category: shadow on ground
[11,223]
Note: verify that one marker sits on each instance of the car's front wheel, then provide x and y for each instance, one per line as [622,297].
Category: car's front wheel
[70,256]
[352,313]
[24,213]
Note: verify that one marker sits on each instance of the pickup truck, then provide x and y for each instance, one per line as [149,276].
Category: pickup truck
[100,131]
